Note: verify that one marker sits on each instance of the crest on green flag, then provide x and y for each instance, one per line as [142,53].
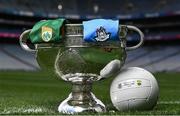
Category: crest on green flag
[46,33]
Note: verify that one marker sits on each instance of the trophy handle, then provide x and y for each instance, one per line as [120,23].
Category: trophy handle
[25,36]
[23,41]
[133,28]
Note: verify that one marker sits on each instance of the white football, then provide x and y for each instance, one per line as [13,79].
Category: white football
[134,89]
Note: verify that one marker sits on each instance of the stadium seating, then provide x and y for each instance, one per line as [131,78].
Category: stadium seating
[14,58]
[155,58]
[82,9]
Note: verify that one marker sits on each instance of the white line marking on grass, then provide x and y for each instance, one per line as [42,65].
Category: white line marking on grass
[36,110]
[169,102]
[24,110]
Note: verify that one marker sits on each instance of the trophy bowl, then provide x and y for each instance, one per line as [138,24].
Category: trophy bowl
[82,63]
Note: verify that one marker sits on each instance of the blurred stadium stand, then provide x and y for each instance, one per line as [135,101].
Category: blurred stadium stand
[84,9]
[14,58]
[156,58]
[158,19]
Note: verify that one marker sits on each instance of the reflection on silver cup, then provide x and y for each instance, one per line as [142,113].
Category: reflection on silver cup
[81,63]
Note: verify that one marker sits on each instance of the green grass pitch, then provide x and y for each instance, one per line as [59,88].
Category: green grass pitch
[41,93]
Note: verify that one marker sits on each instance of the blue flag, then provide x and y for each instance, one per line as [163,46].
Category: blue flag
[99,30]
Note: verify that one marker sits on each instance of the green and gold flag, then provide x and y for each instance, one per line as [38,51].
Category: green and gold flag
[47,31]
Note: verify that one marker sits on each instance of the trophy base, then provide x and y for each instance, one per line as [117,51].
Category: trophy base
[67,108]
[81,99]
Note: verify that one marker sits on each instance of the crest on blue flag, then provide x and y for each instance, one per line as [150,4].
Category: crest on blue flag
[101,34]
[101,30]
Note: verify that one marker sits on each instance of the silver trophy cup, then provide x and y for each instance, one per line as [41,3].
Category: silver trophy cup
[82,63]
